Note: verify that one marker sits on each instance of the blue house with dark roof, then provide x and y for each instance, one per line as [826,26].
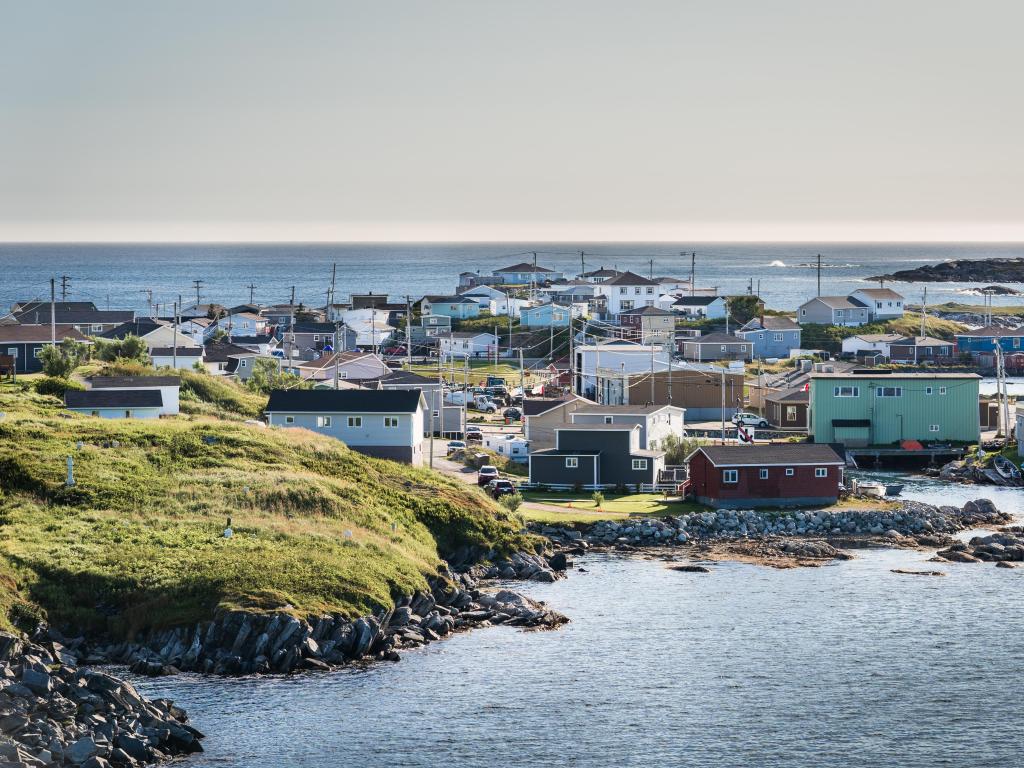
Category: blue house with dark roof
[986,339]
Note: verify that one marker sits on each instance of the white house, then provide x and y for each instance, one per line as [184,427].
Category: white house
[466,344]
[526,274]
[350,366]
[882,303]
[167,386]
[385,423]
[509,305]
[706,307]
[198,329]
[115,404]
[620,356]
[657,422]
[628,291]
[870,342]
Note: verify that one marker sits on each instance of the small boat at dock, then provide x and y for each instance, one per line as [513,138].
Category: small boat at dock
[1006,468]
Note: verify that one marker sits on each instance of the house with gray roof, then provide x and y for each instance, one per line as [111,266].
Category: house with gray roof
[596,456]
[771,336]
[834,310]
[115,403]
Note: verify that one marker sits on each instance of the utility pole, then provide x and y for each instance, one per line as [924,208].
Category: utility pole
[252,289]
[693,272]
[723,403]
[408,331]
[651,273]
[551,341]
[174,339]
[64,281]
[819,274]
[291,327]
[583,265]
[334,275]
[572,357]
[149,299]
[522,375]
[53,312]
[497,342]
[465,391]
[198,284]
[533,291]
[924,310]
[652,372]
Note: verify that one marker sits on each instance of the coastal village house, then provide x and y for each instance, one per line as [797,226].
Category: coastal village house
[649,325]
[115,403]
[628,291]
[455,307]
[82,316]
[596,456]
[833,310]
[167,386]
[463,344]
[657,422]
[700,307]
[777,475]
[526,274]
[620,357]
[182,358]
[345,366]
[542,415]
[868,344]
[387,424]
[545,316]
[444,419]
[24,343]
[985,340]
[787,409]
[882,303]
[869,407]
[771,336]
[716,346]
[917,350]
[696,388]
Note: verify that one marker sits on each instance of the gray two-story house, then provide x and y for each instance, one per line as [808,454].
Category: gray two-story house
[596,456]
[834,310]
[771,336]
[656,422]
[443,418]
[387,424]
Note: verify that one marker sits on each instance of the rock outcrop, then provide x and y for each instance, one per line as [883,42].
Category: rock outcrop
[962,271]
[54,714]
[1004,548]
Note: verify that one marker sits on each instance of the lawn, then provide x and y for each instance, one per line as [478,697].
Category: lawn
[581,508]
[479,370]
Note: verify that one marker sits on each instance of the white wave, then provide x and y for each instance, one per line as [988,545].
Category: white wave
[777,263]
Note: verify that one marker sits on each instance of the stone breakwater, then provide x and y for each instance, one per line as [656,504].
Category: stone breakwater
[1005,549]
[911,524]
[54,714]
[245,642]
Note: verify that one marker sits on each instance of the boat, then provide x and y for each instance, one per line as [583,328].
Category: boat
[868,488]
[1005,468]
[893,489]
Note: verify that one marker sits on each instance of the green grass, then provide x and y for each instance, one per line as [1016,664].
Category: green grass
[581,508]
[955,306]
[214,395]
[137,542]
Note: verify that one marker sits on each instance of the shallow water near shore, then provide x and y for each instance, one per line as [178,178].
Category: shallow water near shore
[847,664]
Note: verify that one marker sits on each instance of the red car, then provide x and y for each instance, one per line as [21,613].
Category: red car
[486,474]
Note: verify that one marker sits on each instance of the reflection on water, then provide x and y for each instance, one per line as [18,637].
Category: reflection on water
[844,665]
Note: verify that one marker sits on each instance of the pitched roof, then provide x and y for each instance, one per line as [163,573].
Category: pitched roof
[192,351]
[41,314]
[407,377]
[880,293]
[798,395]
[334,358]
[694,301]
[784,454]
[836,302]
[524,267]
[344,400]
[311,327]
[140,326]
[716,338]
[771,323]
[37,333]
[874,338]
[537,406]
[23,306]
[113,398]
[645,310]
[602,272]
[922,341]
[629,278]
[109,382]
[596,427]
[221,351]
[993,331]
[598,409]
[447,300]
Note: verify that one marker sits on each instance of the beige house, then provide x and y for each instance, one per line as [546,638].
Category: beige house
[542,415]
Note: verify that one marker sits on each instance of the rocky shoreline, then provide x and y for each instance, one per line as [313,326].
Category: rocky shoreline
[54,714]
[1004,548]
[961,271]
[781,538]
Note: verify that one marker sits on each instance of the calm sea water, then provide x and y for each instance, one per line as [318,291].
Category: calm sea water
[844,665]
[118,274]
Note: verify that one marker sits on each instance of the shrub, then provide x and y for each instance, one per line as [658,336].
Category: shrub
[512,502]
[129,348]
[598,499]
[61,360]
[51,385]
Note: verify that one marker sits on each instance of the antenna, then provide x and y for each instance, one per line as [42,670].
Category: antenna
[251,288]
[198,284]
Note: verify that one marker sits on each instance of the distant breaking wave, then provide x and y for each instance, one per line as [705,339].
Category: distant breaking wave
[777,263]
[814,264]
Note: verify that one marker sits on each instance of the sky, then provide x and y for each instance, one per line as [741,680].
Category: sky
[528,120]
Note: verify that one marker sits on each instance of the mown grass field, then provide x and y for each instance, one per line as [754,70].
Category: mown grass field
[138,541]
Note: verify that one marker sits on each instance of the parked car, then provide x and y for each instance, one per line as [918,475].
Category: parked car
[484,404]
[474,437]
[499,488]
[456,445]
[495,381]
[473,428]
[486,473]
[750,420]
[512,413]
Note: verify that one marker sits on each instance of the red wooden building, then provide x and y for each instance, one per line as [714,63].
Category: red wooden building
[744,476]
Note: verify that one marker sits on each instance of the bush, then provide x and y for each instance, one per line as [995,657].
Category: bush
[129,348]
[61,360]
[598,499]
[677,448]
[512,502]
[52,385]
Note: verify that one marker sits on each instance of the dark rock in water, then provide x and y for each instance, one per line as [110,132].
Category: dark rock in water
[558,561]
[690,568]
[1005,564]
[962,271]
[918,573]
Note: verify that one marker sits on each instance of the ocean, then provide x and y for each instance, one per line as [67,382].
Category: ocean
[121,275]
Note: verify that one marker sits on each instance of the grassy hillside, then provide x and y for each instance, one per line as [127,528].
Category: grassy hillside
[138,541]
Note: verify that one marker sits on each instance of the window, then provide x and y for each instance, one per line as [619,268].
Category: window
[821,471]
[127,414]
[730,475]
[933,427]
[839,313]
[323,421]
[778,337]
[725,348]
[622,291]
[609,419]
[571,462]
[790,413]
[878,304]
[846,392]
[942,390]
[96,327]
[789,472]
[650,290]
[803,312]
[289,419]
[889,392]
[243,363]
[637,290]
[36,351]
[639,464]
[437,414]
[764,474]
[391,422]
[12,351]
[316,337]
[355,421]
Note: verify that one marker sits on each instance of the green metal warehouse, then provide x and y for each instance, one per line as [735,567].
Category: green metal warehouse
[871,407]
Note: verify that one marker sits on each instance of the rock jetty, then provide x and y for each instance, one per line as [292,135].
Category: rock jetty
[961,271]
[54,714]
[242,642]
[1005,549]
[794,535]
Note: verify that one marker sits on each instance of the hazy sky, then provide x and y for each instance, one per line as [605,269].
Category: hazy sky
[477,120]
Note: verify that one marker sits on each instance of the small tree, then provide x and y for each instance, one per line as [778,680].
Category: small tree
[677,448]
[598,499]
[131,347]
[61,360]
[266,377]
[512,502]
